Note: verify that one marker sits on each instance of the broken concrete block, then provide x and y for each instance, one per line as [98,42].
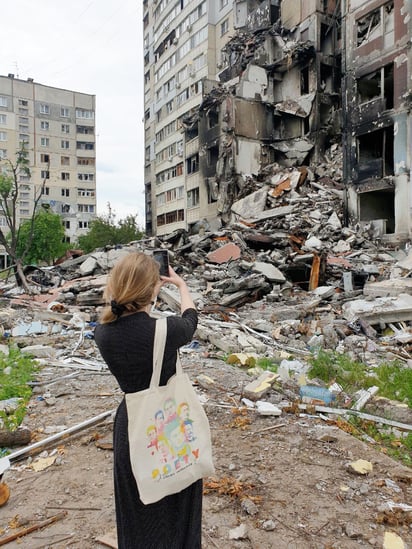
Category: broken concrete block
[391,287]
[269,271]
[240,532]
[360,467]
[312,243]
[40,351]
[384,309]
[393,541]
[225,253]
[260,386]
[88,266]
[334,221]
[324,292]
[253,204]
[267,409]
[245,359]
[341,247]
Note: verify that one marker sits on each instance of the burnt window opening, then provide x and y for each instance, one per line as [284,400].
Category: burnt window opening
[378,206]
[212,157]
[304,80]
[377,84]
[212,190]
[377,23]
[326,39]
[212,118]
[369,27]
[375,154]
[326,78]
[193,131]
[192,164]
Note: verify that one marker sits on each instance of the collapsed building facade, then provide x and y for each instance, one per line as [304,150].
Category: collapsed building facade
[279,97]
[376,114]
[293,79]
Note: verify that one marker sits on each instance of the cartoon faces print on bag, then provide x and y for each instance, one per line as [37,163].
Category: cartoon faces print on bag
[171,439]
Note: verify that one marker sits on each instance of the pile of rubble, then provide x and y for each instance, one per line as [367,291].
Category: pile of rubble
[285,274]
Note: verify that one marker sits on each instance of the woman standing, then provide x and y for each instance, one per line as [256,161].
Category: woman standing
[125,338]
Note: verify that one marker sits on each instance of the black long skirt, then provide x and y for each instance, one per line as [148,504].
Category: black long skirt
[174,522]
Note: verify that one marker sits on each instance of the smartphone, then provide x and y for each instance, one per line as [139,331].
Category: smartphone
[162,257]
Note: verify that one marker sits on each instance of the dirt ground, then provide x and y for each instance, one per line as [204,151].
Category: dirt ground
[281,482]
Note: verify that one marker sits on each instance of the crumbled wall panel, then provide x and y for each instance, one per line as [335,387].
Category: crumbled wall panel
[253,120]
[253,83]
[309,7]
[248,157]
[291,13]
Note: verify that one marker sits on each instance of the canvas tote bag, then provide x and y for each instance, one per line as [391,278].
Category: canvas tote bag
[169,434]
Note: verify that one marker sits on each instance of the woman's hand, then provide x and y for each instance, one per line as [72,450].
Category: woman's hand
[173,278]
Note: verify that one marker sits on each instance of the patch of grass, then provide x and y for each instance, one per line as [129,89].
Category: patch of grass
[398,448]
[16,370]
[267,364]
[330,367]
[394,380]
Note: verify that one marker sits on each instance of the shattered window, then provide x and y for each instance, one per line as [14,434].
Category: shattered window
[369,86]
[192,164]
[369,26]
[375,24]
[376,154]
[212,118]
[377,84]
[193,198]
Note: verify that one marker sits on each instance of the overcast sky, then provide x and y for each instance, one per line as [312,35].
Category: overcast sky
[90,46]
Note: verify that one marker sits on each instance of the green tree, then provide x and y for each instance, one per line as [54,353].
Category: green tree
[103,232]
[10,188]
[46,236]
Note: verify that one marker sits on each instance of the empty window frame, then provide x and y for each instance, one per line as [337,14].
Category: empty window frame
[377,84]
[375,154]
[375,24]
[193,198]
[192,164]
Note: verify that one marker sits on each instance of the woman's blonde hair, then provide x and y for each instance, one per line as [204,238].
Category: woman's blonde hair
[130,286]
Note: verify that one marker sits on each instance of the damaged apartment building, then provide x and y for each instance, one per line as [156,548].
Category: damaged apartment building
[294,78]
[376,113]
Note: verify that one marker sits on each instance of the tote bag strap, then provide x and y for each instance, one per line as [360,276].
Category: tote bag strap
[158,350]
